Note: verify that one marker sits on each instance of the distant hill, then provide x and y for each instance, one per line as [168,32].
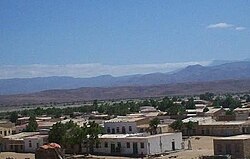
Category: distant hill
[126,92]
[194,73]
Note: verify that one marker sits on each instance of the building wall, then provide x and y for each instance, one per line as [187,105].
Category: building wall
[236,148]
[161,144]
[123,149]
[31,144]
[215,130]
[119,125]
[6,131]
[155,144]
[12,145]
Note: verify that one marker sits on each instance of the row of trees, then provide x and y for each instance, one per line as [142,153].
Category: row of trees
[72,134]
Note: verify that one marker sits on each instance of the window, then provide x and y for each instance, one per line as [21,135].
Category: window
[1,132]
[219,148]
[21,147]
[128,144]
[108,130]
[117,130]
[237,148]
[130,128]
[11,147]
[123,130]
[228,149]
[142,145]
[30,145]
[97,145]
[118,144]
[37,145]
[113,130]
[105,144]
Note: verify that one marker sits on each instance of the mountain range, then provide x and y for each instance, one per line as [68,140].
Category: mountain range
[191,74]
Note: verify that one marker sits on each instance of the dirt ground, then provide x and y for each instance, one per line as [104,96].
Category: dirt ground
[4,155]
[201,145]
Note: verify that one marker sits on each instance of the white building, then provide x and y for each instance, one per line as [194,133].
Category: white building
[138,144]
[122,125]
[31,143]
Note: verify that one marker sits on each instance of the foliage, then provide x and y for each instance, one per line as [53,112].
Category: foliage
[177,125]
[71,134]
[207,96]
[190,103]
[153,124]
[227,102]
[205,109]
[13,117]
[32,126]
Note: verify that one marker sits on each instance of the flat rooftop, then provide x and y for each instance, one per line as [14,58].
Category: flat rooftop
[237,137]
[133,136]
[124,119]
[20,136]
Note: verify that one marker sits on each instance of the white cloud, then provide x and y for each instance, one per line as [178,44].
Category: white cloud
[223,25]
[88,70]
[240,28]
[220,26]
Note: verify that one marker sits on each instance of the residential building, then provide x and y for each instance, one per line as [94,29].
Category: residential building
[6,128]
[15,143]
[236,146]
[138,144]
[31,143]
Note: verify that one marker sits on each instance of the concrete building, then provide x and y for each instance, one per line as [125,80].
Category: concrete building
[122,125]
[215,113]
[208,126]
[31,143]
[23,142]
[6,128]
[138,144]
[236,146]
[15,143]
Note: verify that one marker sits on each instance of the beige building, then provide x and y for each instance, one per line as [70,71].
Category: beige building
[236,146]
[15,143]
[206,126]
[6,128]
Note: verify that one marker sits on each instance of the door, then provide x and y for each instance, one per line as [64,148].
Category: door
[173,145]
[135,148]
[112,148]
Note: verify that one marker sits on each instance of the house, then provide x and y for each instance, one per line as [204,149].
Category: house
[138,144]
[122,125]
[236,146]
[23,142]
[215,113]
[15,143]
[31,143]
[242,113]
[208,126]
[6,128]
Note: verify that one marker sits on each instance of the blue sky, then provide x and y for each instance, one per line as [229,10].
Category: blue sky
[119,33]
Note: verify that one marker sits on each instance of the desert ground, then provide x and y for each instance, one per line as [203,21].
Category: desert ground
[201,145]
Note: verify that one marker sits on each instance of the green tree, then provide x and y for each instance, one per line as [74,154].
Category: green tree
[190,103]
[177,125]
[207,96]
[13,117]
[93,131]
[153,125]
[32,126]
